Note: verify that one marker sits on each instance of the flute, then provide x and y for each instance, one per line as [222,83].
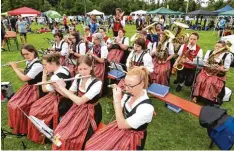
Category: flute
[70,79]
[7,64]
[123,91]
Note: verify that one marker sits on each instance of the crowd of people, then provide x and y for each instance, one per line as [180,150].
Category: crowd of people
[72,108]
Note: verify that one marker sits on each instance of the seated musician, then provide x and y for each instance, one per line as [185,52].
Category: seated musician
[81,121]
[133,114]
[118,48]
[210,82]
[149,44]
[162,56]
[105,37]
[28,93]
[77,48]
[138,57]
[154,32]
[52,106]
[60,47]
[99,54]
[187,53]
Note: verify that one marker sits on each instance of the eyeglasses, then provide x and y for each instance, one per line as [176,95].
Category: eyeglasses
[131,87]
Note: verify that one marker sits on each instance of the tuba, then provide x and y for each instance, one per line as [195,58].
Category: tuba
[161,52]
[135,37]
[151,28]
[180,36]
[212,65]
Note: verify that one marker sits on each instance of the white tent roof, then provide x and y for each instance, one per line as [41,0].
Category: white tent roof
[229,38]
[139,12]
[95,12]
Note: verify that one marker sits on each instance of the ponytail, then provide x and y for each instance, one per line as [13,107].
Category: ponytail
[142,73]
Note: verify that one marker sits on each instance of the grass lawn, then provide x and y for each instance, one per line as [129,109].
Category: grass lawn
[168,130]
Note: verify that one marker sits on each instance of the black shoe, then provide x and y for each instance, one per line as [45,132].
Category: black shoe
[175,82]
[178,88]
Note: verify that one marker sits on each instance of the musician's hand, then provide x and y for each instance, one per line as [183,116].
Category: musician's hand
[117,93]
[164,61]
[45,72]
[188,61]
[13,65]
[60,83]
[71,51]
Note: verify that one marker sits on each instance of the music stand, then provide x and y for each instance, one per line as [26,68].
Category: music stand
[199,63]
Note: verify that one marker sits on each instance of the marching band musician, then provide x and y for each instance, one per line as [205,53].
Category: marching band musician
[105,37]
[77,49]
[189,52]
[28,93]
[60,47]
[119,47]
[210,82]
[138,57]
[149,44]
[81,121]
[87,35]
[99,54]
[118,22]
[162,56]
[52,106]
[133,114]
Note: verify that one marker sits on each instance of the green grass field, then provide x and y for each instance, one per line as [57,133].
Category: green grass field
[167,131]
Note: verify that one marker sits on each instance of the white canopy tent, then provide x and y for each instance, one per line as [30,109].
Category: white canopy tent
[95,12]
[28,15]
[140,12]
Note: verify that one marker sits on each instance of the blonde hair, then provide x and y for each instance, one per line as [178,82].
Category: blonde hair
[142,73]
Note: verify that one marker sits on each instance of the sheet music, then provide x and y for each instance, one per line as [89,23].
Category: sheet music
[43,125]
[117,66]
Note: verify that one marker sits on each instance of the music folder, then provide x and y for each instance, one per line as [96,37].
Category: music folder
[43,128]
[117,70]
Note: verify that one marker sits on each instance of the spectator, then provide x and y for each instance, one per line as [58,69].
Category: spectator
[22,26]
[221,25]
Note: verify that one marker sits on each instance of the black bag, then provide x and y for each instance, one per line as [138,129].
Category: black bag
[220,126]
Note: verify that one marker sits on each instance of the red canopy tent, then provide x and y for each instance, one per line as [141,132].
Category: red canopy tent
[23,10]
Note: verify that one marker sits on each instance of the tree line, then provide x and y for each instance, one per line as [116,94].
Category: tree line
[77,7]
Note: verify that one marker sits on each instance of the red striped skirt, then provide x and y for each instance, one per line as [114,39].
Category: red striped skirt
[74,126]
[161,72]
[113,138]
[99,71]
[23,98]
[46,108]
[208,86]
[115,55]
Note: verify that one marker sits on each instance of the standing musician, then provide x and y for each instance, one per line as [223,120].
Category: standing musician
[118,22]
[187,53]
[60,47]
[77,49]
[149,45]
[99,54]
[105,37]
[119,45]
[210,82]
[154,32]
[139,23]
[52,106]
[81,121]
[133,114]
[28,93]
[162,56]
